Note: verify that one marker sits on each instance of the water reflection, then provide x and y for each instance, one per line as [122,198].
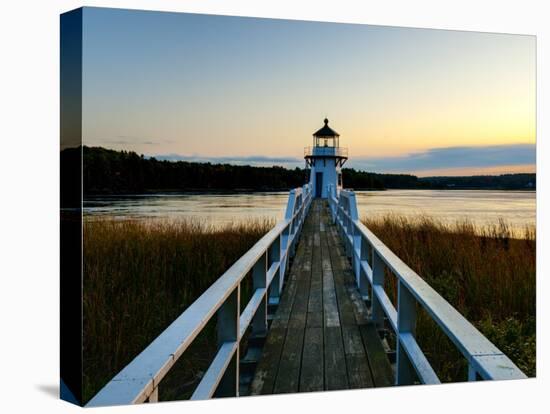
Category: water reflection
[217,209]
[518,208]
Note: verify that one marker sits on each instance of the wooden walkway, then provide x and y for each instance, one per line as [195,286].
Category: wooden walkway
[320,337]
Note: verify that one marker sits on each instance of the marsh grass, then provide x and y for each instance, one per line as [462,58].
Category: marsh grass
[140,275]
[483,271]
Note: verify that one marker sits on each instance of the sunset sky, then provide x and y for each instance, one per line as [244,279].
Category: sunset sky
[252,91]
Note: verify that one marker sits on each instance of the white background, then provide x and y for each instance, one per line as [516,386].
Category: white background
[29,174]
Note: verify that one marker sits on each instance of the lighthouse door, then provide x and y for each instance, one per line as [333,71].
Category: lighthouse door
[319,184]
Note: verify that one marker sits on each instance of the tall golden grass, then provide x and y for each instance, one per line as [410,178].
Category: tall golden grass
[140,275]
[483,271]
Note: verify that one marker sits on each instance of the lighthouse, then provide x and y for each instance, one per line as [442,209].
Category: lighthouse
[325,160]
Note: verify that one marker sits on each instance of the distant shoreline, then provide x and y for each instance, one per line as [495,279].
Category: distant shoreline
[109,172]
[200,191]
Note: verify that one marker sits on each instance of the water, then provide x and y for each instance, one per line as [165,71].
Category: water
[482,207]
[217,209]
[517,208]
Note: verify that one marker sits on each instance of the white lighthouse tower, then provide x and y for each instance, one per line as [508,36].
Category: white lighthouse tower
[325,159]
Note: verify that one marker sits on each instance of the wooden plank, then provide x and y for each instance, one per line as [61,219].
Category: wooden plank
[288,375]
[335,363]
[315,303]
[314,320]
[358,307]
[353,344]
[359,373]
[326,343]
[312,370]
[307,241]
[345,305]
[330,305]
[154,397]
[352,313]
[266,371]
[311,376]
[281,317]
[376,360]
[299,308]
[338,247]
[382,374]
[279,367]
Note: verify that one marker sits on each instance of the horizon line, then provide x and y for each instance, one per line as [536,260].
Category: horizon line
[291,163]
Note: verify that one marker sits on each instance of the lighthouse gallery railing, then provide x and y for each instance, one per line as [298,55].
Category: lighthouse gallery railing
[370,258]
[326,152]
[267,260]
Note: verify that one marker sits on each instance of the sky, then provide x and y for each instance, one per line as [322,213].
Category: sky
[252,91]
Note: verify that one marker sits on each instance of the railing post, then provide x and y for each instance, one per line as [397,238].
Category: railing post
[259,281]
[356,257]
[289,213]
[296,223]
[284,253]
[275,256]
[334,208]
[363,283]
[290,204]
[377,280]
[355,236]
[472,373]
[228,331]
[292,237]
[353,213]
[341,218]
[331,204]
[406,323]
[346,228]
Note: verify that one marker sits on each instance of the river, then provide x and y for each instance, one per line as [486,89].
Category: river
[517,208]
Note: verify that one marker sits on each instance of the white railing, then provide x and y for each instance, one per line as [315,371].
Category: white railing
[326,151]
[267,260]
[370,258]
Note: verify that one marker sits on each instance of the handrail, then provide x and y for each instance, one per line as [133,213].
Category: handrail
[370,257]
[267,260]
[320,151]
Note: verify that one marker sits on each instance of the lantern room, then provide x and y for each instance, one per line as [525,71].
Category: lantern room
[325,159]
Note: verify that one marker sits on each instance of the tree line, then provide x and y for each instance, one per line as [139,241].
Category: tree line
[109,171]
[520,181]
[117,172]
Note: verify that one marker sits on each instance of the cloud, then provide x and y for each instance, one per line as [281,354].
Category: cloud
[451,157]
[430,160]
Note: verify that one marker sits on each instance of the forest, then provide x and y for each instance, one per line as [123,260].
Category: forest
[122,172]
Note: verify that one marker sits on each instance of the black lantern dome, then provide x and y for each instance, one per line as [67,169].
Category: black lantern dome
[326,131]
